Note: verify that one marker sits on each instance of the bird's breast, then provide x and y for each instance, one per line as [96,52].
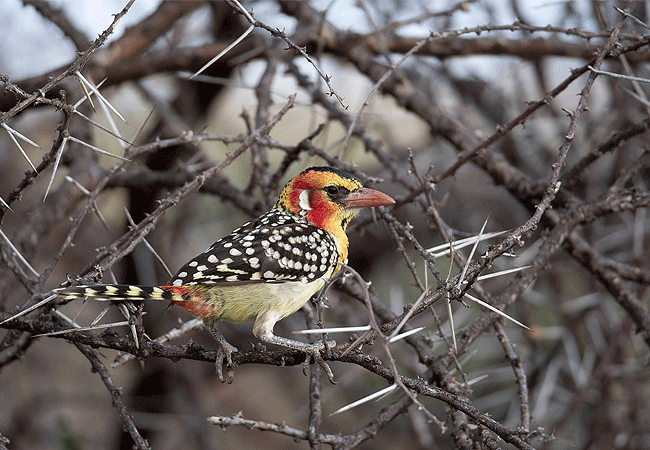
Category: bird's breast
[245,302]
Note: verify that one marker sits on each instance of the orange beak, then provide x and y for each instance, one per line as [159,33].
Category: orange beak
[364,197]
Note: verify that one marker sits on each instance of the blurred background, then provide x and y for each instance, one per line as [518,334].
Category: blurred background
[459,110]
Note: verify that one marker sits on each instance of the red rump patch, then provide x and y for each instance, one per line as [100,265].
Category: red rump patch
[190,298]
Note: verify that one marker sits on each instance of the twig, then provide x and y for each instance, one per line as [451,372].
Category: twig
[116,394]
[520,374]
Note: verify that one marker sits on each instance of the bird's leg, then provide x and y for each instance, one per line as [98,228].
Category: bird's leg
[225,351]
[263,329]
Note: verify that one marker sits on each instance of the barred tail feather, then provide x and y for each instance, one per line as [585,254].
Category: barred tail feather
[117,292]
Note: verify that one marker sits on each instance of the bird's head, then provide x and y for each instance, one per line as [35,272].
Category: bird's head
[328,198]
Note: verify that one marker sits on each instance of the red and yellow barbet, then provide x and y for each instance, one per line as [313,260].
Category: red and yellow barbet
[269,267]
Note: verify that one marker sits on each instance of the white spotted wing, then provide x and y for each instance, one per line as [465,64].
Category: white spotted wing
[276,247]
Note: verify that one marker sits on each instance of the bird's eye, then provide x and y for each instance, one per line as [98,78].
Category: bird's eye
[332,190]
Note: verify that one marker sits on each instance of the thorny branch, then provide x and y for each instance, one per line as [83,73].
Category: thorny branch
[570,191]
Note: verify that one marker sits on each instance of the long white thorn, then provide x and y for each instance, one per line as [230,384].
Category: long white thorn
[83,99]
[409,314]
[20,135]
[102,127]
[405,334]
[148,245]
[18,255]
[11,132]
[101,98]
[122,307]
[190,325]
[618,75]
[141,127]
[97,327]
[333,330]
[445,249]
[109,117]
[87,192]
[452,327]
[5,204]
[225,50]
[450,312]
[478,379]
[365,399]
[97,149]
[101,315]
[30,309]
[85,89]
[79,186]
[66,319]
[354,345]
[502,272]
[495,310]
[471,254]
[57,160]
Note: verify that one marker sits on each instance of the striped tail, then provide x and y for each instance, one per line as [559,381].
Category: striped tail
[117,292]
[195,298]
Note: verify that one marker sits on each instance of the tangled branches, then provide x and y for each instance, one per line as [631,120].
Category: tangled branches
[545,140]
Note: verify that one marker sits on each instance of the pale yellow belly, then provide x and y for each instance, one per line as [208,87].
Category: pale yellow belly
[244,303]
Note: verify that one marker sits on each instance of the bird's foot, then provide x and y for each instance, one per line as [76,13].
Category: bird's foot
[225,353]
[313,351]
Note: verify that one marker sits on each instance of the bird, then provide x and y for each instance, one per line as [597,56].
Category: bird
[266,269]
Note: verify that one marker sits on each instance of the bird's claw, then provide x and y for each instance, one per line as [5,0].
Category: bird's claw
[225,352]
[314,352]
